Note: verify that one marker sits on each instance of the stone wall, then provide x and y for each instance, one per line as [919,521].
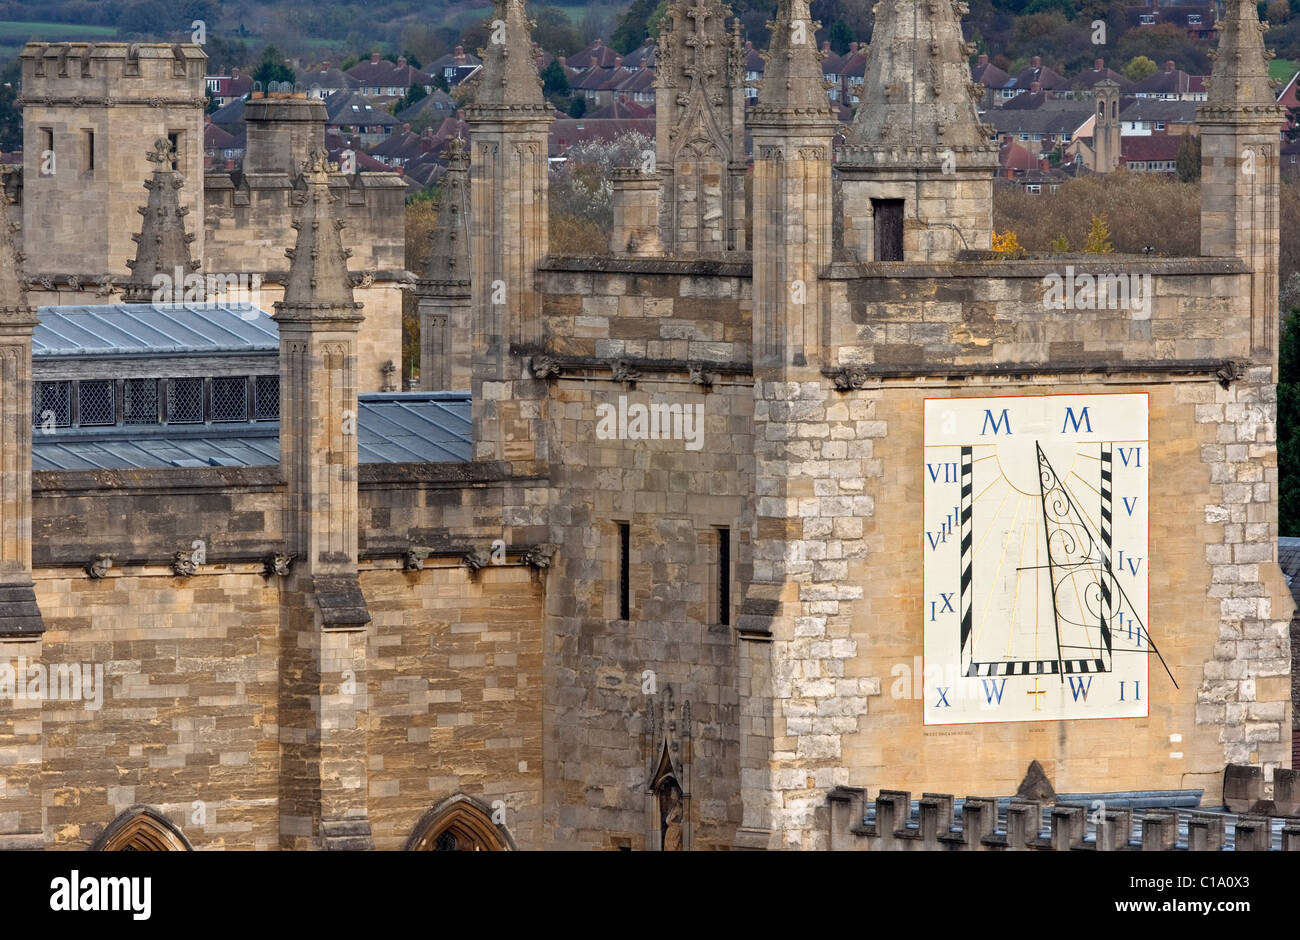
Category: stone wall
[189,717]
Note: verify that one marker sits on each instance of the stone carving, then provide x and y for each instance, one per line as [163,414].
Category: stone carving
[544,367]
[539,556]
[699,376]
[415,558]
[1232,370]
[624,371]
[183,565]
[477,560]
[847,378]
[279,564]
[99,566]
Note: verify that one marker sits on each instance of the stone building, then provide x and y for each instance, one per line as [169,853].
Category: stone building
[92,115]
[726,539]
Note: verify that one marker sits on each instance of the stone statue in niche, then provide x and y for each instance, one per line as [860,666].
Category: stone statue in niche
[670,810]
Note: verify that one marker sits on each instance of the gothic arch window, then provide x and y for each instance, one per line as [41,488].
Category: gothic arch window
[142,829]
[459,824]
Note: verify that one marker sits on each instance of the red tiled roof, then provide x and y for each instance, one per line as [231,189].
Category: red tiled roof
[1157,147]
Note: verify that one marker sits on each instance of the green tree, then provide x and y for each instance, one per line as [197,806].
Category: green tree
[633,26]
[11,116]
[1189,158]
[554,81]
[413,94]
[1098,237]
[1139,67]
[578,108]
[1288,428]
[272,68]
[840,36]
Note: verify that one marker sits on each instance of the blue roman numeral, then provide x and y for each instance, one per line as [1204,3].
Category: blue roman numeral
[1130,453]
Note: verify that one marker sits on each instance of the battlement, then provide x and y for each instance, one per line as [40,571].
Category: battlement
[111,73]
[1112,822]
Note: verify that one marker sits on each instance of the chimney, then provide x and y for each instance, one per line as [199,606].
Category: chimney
[406,128]
[374,57]
[853,48]
[1009,173]
[401,61]
[562,60]
[1036,62]
[618,61]
[1098,65]
[984,60]
[1035,87]
[749,46]
[826,47]
[1169,66]
[1044,164]
[234,73]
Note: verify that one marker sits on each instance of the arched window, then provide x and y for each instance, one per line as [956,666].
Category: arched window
[141,829]
[459,824]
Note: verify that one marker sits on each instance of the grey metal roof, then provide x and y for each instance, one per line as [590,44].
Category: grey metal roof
[153,329]
[397,427]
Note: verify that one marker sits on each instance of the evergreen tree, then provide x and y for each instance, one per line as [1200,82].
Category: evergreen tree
[1098,237]
[1288,429]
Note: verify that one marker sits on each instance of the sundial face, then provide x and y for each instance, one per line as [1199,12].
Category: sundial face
[1035,557]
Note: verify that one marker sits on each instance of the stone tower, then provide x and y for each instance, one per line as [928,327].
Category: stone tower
[700,129]
[19,616]
[323,613]
[917,165]
[443,290]
[793,127]
[90,114]
[1239,123]
[163,244]
[1106,128]
[508,205]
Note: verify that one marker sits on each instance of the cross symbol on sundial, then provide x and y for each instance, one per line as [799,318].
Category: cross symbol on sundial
[1036,691]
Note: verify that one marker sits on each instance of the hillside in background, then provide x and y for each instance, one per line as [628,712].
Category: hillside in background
[1010,31]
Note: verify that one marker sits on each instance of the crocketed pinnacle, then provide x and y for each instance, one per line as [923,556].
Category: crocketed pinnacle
[14,309]
[162,245]
[1239,79]
[319,286]
[448,259]
[920,95]
[793,82]
[509,76]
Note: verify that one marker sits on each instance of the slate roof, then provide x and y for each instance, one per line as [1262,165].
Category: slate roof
[395,427]
[153,329]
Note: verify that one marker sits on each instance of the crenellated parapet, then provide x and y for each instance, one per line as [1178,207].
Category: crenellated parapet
[940,822]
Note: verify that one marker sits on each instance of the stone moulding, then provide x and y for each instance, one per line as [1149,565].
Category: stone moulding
[416,557]
[856,376]
[547,365]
